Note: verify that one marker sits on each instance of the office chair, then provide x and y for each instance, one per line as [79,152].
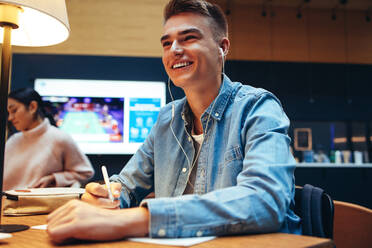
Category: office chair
[353,225]
[316,210]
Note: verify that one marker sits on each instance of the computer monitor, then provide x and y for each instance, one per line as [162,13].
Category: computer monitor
[103,116]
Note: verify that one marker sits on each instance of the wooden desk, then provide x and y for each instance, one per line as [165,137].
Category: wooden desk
[39,238]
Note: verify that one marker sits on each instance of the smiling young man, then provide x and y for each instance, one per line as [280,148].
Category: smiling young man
[218,160]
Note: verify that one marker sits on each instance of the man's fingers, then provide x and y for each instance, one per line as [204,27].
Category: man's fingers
[64,222]
[107,203]
[61,232]
[59,220]
[99,201]
[115,189]
[60,212]
[92,199]
[96,189]
[97,194]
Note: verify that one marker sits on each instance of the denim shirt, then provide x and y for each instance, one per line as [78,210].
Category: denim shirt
[244,179]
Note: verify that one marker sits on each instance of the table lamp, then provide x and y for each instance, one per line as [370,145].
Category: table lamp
[25,23]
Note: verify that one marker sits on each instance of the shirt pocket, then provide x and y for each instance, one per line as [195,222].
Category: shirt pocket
[232,163]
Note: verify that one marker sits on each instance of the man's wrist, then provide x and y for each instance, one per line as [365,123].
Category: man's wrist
[145,220]
[134,222]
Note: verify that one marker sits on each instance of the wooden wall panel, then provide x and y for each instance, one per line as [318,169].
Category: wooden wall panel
[111,27]
[315,37]
[327,36]
[290,40]
[133,28]
[359,34]
[250,34]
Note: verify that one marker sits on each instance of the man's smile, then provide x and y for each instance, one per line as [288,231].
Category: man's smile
[181,64]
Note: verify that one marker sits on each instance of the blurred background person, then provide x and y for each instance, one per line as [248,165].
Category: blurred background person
[40,155]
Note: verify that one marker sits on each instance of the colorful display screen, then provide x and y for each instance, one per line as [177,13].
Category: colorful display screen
[103,117]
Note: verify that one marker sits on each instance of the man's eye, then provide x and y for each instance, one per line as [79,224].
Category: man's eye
[166,43]
[190,37]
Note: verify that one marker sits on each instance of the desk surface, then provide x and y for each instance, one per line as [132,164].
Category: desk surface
[40,239]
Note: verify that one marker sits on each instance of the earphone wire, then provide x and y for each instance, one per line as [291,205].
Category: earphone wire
[170,125]
[191,165]
[223,61]
[169,89]
[201,145]
[207,125]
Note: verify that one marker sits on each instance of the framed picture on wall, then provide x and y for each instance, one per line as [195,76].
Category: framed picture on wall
[303,140]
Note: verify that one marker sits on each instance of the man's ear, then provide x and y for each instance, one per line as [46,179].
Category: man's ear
[32,107]
[225,45]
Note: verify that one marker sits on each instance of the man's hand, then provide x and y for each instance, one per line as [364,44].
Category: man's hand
[97,194]
[80,220]
[46,181]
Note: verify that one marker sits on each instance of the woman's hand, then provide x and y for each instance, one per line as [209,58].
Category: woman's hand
[80,220]
[46,181]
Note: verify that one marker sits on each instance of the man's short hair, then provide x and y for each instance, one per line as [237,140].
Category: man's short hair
[201,7]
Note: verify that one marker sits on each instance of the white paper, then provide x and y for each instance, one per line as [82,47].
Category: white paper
[5,235]
[46,191]
[174,242]
[40,227]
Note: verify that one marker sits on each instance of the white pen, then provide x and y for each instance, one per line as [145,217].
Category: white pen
[107,182]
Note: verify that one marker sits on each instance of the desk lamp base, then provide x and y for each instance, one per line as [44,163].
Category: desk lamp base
[13,228]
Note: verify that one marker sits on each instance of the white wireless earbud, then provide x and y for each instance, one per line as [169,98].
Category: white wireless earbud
[222,53]
[223,59]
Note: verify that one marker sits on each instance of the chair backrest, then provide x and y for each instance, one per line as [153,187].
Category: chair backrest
[353,225]
[316,210]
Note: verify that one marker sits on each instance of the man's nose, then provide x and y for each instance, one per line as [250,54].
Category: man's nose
[176,47]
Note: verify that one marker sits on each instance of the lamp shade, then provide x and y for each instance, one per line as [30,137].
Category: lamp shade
[40,22]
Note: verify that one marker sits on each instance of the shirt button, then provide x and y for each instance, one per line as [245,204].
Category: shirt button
[217,114]
[199,233]
[189,139]
[161,232]
[184,170]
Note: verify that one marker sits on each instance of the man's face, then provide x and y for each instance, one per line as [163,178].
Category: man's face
[191,54]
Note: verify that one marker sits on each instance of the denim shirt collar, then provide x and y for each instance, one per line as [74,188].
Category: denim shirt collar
[219,107]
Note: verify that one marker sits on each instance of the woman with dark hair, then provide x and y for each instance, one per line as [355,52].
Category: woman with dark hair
[40,155]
